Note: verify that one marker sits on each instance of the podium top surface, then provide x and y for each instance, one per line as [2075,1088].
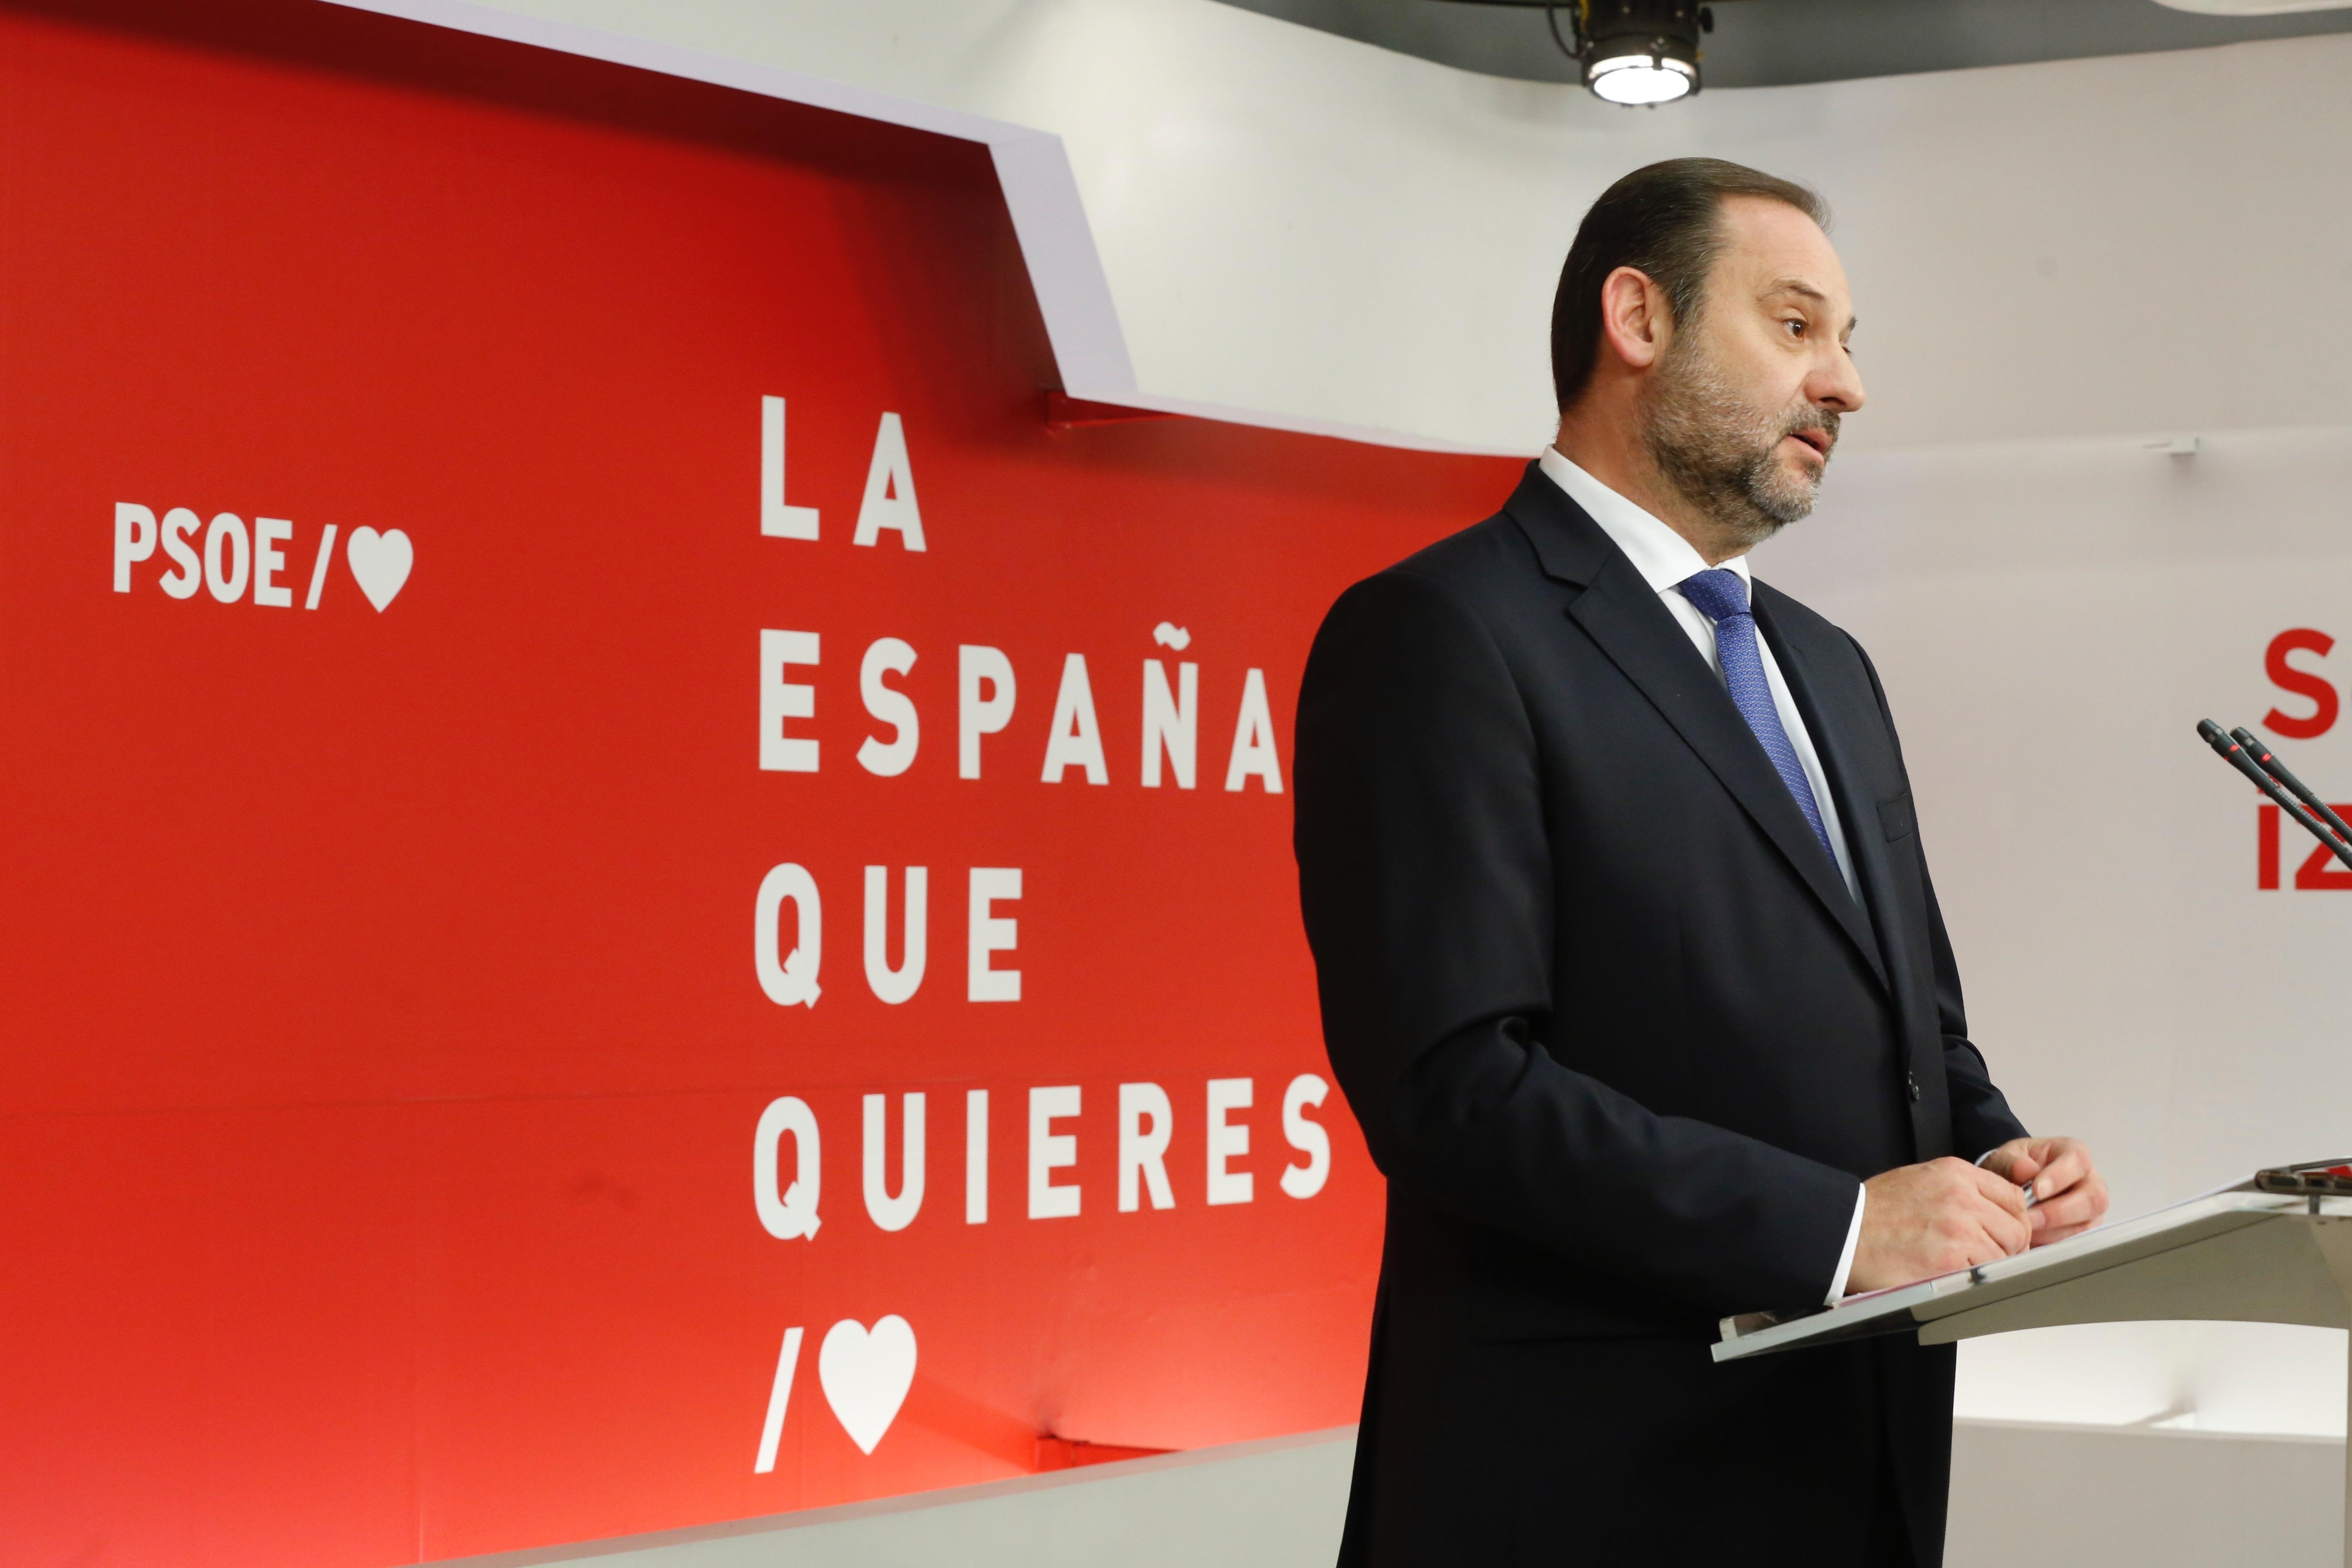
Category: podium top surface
[2243,1254]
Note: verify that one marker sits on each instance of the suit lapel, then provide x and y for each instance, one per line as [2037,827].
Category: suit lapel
[1830,723]
[1841,712]
[1622,613]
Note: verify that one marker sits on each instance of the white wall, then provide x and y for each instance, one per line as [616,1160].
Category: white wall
[2051,619]
[1310,229]
[1302,230]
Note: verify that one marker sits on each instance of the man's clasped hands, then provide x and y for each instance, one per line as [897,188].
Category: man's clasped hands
[1919,1221]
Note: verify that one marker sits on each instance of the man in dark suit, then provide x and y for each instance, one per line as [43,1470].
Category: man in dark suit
[1630,964]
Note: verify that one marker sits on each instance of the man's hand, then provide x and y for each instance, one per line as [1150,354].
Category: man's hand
[1919,1221]
[2069,1194]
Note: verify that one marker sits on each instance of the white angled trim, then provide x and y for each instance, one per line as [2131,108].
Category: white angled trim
[1033,167]
[2253,8]
[1066,270]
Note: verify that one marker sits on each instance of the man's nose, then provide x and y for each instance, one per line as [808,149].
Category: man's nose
[1835,384]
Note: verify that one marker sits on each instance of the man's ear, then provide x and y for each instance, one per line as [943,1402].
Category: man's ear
[1636,321]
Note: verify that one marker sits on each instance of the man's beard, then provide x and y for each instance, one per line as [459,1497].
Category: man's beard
[1722,453]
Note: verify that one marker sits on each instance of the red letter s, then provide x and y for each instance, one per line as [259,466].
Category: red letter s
[2287,677]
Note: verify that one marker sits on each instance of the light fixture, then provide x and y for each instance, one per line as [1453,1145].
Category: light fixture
[1637,79]
[1633,52]
[1636,52]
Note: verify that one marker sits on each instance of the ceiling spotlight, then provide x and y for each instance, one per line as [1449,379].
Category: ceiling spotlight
[1635,52]
[1646,79]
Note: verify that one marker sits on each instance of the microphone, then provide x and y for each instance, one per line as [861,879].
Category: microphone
[2260,750]
[2234,753]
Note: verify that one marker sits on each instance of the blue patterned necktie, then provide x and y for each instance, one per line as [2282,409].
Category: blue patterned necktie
[1721,597]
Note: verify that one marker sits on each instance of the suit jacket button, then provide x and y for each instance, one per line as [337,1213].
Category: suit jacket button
[1911,1082]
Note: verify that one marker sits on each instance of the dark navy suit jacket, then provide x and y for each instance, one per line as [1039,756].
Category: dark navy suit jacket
[1623,1042]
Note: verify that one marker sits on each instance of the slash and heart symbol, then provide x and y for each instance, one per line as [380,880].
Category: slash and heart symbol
[866,1375]
[380,563]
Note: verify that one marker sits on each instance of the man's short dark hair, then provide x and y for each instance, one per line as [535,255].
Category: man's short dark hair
[1661,221]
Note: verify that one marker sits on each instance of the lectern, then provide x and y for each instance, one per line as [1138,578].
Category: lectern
[2274,1249]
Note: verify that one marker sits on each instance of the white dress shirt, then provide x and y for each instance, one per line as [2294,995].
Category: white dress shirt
[1664,559]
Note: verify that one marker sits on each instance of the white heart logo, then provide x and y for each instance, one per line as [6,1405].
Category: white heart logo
[866,1375]
[381,562]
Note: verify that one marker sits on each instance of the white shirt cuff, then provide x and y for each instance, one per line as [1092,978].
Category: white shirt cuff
[1845,1259]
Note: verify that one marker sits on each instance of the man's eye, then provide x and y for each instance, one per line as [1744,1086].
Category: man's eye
[1796,326]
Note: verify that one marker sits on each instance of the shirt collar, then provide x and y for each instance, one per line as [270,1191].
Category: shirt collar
[1662,556]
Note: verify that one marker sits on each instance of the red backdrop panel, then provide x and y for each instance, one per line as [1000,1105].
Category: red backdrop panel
[383,1037]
